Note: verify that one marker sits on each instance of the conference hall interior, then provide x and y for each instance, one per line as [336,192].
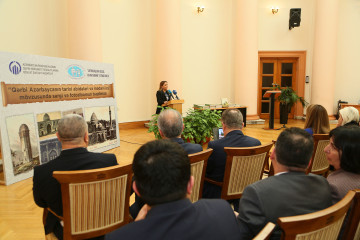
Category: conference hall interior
[207,50]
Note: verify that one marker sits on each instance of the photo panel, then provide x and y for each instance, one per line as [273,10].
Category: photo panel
[78,111]
[47,124]
[23,143]
[49,149]
[102,126]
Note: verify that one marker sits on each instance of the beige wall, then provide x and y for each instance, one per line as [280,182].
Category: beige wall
[34,27]
[128,32]
[207,52]
[274,33]
[347,84]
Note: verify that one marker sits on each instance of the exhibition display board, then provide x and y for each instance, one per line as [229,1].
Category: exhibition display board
[36,91]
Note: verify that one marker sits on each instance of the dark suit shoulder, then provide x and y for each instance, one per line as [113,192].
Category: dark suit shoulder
[191,148]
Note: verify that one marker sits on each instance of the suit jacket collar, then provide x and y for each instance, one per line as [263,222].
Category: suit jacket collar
[177,140]
[234,132]
[169,208]
[292,173]
[73,151]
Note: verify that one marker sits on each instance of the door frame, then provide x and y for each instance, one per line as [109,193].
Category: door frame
[300,72]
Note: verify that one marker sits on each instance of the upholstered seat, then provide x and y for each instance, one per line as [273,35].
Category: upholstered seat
[319,164]
[198,163]
[244,166]
[324,224]
[95,201]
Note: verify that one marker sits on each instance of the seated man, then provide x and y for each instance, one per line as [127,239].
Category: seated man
[171,125]
[74,138]
[290,192]
[162,178]
[232,123]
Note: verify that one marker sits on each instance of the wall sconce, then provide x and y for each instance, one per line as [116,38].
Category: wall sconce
[200,9]
[274,9]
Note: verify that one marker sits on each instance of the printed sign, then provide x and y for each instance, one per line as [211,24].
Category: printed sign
[36,91]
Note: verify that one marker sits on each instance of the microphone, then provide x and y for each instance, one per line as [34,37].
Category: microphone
[175,92]
[170,94]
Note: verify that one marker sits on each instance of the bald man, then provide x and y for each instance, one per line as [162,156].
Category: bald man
[74,137]
[171,125]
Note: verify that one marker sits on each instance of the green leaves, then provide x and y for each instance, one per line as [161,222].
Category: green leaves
[288,96]
[199,125]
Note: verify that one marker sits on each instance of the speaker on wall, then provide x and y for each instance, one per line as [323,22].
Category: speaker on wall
[295,18]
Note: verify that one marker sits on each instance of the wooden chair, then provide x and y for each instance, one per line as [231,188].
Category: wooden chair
[95,201]
[265,233]
[269,168]
[198,163]
[319,164]
[324,224]
[352,227]
[244,166]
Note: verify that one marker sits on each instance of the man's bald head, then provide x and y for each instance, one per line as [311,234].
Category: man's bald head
[170,123]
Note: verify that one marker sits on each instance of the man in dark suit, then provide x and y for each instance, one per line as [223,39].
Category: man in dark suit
[290,192]
[162,178]
[232,123]
[171,125]
[74,138]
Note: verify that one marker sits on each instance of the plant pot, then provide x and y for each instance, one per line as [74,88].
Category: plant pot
[284,113]
[201,143]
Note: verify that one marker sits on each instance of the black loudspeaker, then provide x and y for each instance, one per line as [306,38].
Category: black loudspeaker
[295,18]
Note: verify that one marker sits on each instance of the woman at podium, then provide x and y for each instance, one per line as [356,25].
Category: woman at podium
[162,95]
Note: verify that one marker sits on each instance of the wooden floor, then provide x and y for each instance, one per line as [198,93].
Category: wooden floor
[20,218]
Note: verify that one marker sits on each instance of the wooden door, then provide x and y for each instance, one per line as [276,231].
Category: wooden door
[280,71]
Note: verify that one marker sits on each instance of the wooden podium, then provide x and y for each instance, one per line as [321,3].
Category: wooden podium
[176,104]
[271,95]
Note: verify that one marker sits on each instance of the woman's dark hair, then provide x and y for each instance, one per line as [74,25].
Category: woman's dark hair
[162,84]
[317,118]
[347,140]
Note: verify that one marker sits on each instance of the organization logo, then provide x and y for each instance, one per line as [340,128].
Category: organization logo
[15,67]
[75,71]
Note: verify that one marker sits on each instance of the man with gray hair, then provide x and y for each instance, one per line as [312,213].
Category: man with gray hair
[74,138]
[171,125]
[232,123]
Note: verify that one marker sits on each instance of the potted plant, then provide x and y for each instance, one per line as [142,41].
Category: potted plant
[287,98]
[199,125]
[153,127]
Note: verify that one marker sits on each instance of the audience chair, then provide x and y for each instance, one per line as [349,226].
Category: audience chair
[265,233]
[269,168]
[319,164]
[352,227]
[324,224]
[95,201]
[244,166]
[198,163]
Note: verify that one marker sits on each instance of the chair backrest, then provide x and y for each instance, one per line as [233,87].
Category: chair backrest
[198,163]
[319,164]
[244,166]
[352,227]
[265,233]
[95,201]
[324,224]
